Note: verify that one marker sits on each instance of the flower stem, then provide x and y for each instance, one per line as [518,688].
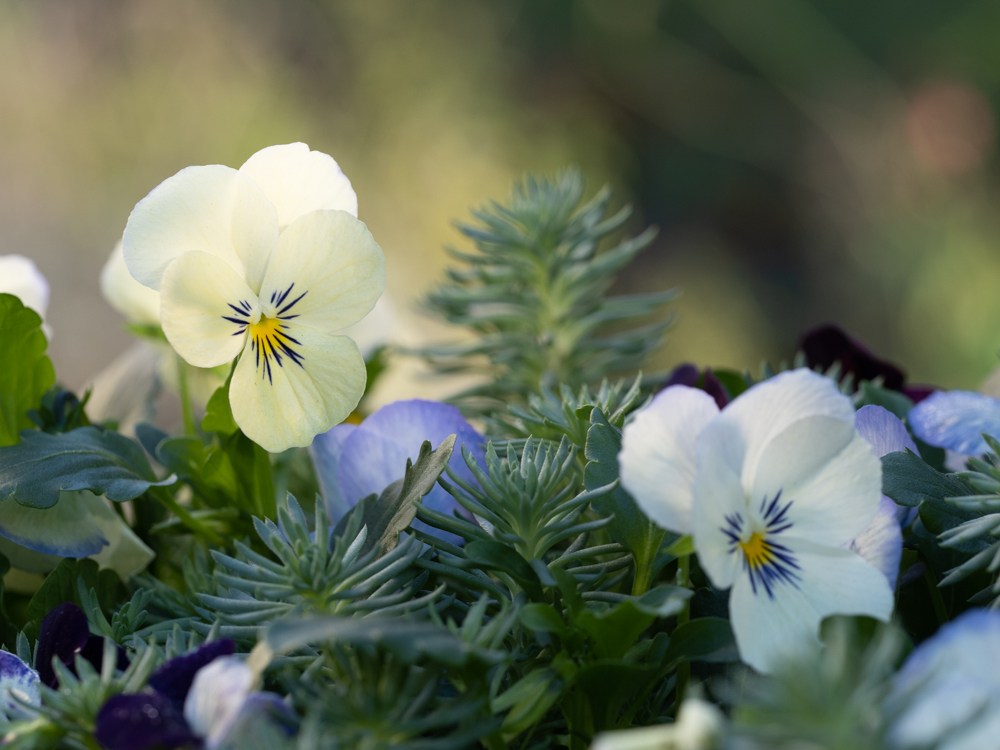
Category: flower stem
[684,668]
[185,396]
[167,500]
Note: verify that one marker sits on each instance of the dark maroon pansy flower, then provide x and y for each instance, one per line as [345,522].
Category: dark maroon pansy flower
[65,633]
[828,344]
[689,375]
[140,721]
[173,679]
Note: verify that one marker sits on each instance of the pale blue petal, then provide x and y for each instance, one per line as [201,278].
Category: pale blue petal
[375,454]
[881,543]
[66,529]
[325,451]
[17,679]
[956,420]
[883,430]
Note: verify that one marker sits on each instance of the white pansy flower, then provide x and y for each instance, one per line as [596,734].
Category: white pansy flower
[138,303]
[700,725]
[772,488]
[20,276]
[264,263]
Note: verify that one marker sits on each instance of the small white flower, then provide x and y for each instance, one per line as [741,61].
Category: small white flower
[700,725]
[217,694]
[138,303]
[20,276]
[771,488]
[264,263]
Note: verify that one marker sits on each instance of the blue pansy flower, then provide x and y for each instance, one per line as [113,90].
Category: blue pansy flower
[17,680]
[947,694]
[354,461]
[956,421]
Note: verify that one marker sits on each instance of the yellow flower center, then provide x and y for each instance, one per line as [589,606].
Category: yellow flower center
[264,328]
[756,550]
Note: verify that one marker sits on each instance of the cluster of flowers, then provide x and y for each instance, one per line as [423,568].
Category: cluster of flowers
[779,490]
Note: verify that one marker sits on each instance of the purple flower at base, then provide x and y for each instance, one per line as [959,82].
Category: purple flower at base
[140,721]
[947,694]
[828,344]
[354,461]
[65,633]
[173,679]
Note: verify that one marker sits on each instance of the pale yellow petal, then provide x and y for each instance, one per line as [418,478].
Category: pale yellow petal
[286,391]
[297,181]
[205,309]
[214,209]
[138,303]
[326,272]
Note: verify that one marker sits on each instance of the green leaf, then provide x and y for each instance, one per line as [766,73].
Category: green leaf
[629,525]
[614,631]
[894,401]
[498,556]
[682,547]
[531,697]
[207,470]
[8,633]
[35,470]
[909,481]
[61,586]
[218,413]
[408,640]
[252,467]
[732,381]
[27,371]
[542,618]
[610,684]
[397,505]
[707,639]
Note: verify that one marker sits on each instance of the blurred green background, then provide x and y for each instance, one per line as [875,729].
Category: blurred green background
[806,160]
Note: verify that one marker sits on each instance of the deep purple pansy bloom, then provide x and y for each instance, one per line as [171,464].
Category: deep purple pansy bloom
[828,344]
[141,720]
[173,679]
[354,461]
[64,633]
[689,375]
[947,694]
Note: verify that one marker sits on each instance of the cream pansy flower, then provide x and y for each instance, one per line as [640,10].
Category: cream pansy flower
[264,263]
[139,304]
[773,489]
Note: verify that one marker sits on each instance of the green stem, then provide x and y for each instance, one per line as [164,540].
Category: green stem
[684,668]
[167,500]
[185,396]
[940,610]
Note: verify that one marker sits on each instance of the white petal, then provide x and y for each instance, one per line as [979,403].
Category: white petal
[280,406]
[830,475]
[213,209]
[881,542]
[718,492]
[125,389]
[20,276]
[297,181]
[217,694]
[201,297]
[326,271]
[657,459]
[138,303]
[832,580]
[767,409]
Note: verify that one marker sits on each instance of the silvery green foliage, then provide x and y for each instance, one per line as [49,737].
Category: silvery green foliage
[980,535]
[534,295]
[832,700]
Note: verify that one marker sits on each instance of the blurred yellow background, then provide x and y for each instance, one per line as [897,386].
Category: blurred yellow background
[807,161]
